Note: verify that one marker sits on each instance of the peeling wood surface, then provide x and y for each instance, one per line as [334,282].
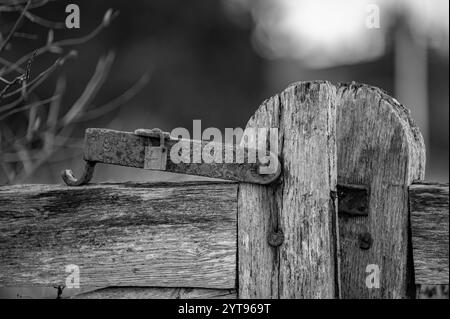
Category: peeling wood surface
[165,235]
[378,146]
[157,293]
[299,205]
[429,206]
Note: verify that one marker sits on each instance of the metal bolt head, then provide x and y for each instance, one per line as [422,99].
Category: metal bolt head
[275,238]
[365,241]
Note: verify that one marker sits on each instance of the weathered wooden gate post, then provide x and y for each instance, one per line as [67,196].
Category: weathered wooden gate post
[378,147]
[298,208]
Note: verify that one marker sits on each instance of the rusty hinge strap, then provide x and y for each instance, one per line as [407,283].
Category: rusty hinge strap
[154,149]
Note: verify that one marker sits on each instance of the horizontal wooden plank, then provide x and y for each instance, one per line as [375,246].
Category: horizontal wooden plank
[429,223]
[157,293]
[432,292]
[163,234]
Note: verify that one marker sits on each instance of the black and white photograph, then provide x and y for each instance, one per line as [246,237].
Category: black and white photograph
[210,151]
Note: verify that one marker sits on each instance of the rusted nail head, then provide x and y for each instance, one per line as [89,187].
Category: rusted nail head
[275,239]
[365,241]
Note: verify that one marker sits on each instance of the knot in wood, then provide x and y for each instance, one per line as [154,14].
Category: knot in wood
[275,238]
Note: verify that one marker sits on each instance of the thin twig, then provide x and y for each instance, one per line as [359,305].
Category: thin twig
[43,22]
[61,43]
[26,107]
[23,35]
[19,79]
[11,65]
[47,130]
[43,75]
[53,114]
[5,80]
[13,30]
[116,102]
[11,105]
[15,6]
[97,80]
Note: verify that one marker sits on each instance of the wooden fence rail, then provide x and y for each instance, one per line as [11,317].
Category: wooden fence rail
[429,225]
[345,201]
[170,235]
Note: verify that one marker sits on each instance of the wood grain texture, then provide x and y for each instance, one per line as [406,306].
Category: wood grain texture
[378,146]
[432,292]
[157,293]
[165,235]
[429,224]
[299,205]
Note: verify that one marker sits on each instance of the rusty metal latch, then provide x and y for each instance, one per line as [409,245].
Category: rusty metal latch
[155,156]
[353,200]
[153,149]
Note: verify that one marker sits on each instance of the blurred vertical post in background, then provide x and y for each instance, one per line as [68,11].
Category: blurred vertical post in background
[406,54]
[411,78]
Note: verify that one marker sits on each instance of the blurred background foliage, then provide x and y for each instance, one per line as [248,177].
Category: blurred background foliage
[217,61]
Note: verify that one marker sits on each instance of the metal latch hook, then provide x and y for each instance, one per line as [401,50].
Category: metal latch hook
[140,149]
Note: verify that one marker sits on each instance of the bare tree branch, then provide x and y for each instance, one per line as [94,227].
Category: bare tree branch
[47,126]
[62,43]
[42,76]
[26,107]
[22,14]
[44,22]
[19,79]
[117,102]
